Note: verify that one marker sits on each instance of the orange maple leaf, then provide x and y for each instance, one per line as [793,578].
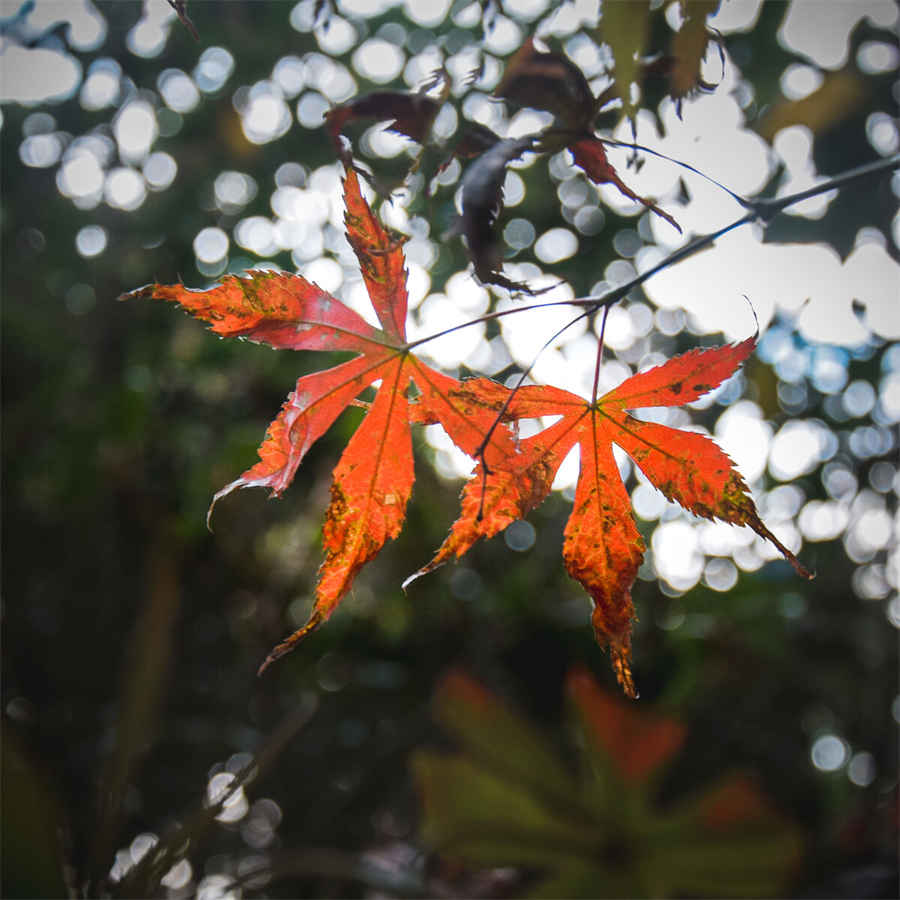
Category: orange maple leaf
[373,479]
[603,548]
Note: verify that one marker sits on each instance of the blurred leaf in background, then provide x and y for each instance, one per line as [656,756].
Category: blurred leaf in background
[592,827]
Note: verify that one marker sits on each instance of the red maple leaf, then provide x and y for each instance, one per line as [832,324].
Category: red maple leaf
[603,548]
[589,154]
[373,479]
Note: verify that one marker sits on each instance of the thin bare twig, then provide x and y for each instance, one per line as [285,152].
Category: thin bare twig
[762,210]
[180,7]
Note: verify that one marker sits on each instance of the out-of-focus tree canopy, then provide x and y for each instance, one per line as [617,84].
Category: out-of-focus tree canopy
[133,153]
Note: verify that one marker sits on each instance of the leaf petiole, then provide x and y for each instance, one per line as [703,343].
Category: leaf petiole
[599,357]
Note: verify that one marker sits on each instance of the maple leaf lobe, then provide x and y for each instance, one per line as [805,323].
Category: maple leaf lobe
[380,258]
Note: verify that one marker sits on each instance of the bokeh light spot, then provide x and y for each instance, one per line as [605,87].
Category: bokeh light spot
[257,234]
[796,450]
[746,437]
[676,554]
[213,69]
[178,91]
[233,191]
[311,109]
[135,129]
[147,39]
[861,769]
[234,803]
[520,536]
[178,876]
[102,85]
[40,150]
[265,116]
[290,75]
[427,13]
[519,233]
[378,60]
[211,245]
[828,753]
[124,189]
[81,179]
[877,57]
[90,241]
[337,37]
[159,170]
[555,245]
[720,574]
[799,80]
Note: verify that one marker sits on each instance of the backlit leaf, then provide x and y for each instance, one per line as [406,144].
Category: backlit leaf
[624,27]
[834,100]
[688,49]
[603,549]
[373,480]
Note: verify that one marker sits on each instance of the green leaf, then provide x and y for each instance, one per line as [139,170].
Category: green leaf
[480,816]
[624,28]
[499,738]
[507,799]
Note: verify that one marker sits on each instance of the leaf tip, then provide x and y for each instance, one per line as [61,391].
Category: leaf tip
[622,668]
[408,581]
[756,524]
[140,293]
[240,482]
[288,644]
[615,633]
[436,563]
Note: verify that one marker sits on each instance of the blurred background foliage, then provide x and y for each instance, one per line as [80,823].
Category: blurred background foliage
[134,154]
[593,828]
